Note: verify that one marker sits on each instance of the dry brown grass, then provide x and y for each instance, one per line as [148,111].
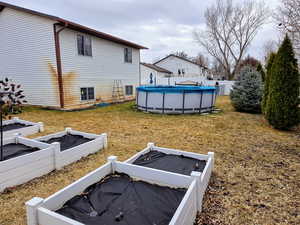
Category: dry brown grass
[256,174]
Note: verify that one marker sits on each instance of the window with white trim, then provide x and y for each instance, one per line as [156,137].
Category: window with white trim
[128,55]
[84,45]
[128,90]
[87,93]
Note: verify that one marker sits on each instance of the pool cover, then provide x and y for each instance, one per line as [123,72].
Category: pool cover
[171,163]
[69,141]
[14,126]
[15,150]
[119,200]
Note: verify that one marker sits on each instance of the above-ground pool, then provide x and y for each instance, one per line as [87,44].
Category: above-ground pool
[176,99]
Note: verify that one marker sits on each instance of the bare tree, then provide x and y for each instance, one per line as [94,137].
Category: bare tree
[201,60]
[269,47]
[288,18]
[230,29]
[181,54]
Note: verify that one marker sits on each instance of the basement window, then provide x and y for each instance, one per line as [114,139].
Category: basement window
[128,55]
[84,45]
[87,93]
[128,90]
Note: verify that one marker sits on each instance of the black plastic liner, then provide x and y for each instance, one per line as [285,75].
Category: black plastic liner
[15,150]
[14,126]
[69,141]
[171,163]
[119,200]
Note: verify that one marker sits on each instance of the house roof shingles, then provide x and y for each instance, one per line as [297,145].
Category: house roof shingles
[74,26]
[156,68]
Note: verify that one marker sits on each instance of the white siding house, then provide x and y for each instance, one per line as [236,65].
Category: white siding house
[62,64]
[148,70]
[182,67]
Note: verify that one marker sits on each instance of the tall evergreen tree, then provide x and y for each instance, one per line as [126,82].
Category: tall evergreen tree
[261,70]
[267,81]
[282,110]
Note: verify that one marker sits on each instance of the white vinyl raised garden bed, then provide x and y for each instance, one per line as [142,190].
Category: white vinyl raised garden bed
[18,170]
[204,176]
[29,128]
[42,211]
[73,154]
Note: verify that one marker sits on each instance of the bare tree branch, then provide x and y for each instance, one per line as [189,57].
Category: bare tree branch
[230,29]
[288,18]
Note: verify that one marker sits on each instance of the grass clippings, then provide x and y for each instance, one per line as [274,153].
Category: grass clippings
[256,178]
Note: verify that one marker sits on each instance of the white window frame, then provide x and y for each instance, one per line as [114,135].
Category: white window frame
[125,59]
[84,36]
[126,90]
[87,89]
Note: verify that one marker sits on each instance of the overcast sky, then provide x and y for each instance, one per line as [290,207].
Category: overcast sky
[164,26]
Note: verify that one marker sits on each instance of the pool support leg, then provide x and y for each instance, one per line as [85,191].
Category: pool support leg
[146,101]
[163,103]
[212,101]
[200,102]
[183,101]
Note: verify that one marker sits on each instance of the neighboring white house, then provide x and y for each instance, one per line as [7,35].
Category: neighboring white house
[62,64]
[182,67]
[152,72]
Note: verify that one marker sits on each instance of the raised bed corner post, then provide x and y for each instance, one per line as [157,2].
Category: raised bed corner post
[112,160]
[105,144]
[197,177]
[151,146]
[31,210]
[41,126]
[57,160]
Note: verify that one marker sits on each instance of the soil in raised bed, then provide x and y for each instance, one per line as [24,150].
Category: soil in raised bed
[14,126]
[119,200]
[171,163]
[69,141]
[14,150]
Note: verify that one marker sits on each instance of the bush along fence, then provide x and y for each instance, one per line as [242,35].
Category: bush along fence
[150,185]
[25,159]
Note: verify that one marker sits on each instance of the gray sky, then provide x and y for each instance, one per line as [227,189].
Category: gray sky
[164,26]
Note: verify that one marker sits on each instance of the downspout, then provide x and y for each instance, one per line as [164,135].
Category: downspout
[58,63]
